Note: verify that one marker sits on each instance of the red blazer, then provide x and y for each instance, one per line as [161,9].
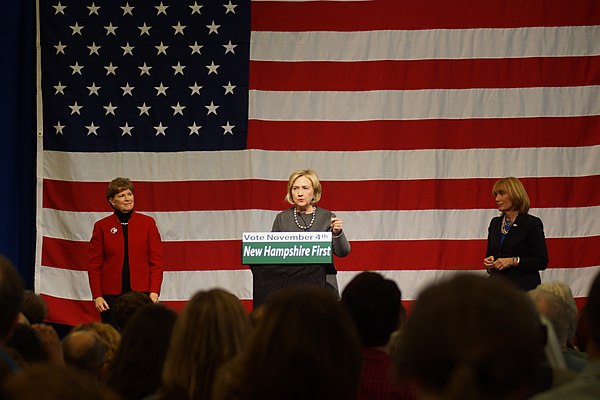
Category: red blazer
[107,252]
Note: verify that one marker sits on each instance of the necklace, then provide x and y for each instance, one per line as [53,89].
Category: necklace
[506,224]
[312,220]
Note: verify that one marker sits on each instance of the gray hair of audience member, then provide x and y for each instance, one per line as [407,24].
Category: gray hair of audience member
[551,306]
[564,291]
[592,313]
[85,351]
[11,297]
[471,338]
[34,307]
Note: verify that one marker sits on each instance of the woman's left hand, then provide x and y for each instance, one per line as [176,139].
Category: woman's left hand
[336,226]
[503,263]
[154,297]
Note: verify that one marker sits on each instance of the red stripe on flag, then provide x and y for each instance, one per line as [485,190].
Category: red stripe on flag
[70,312]
[425,194]
[408,14]
[378,255]
[179,305]
[424,134]
[425,74]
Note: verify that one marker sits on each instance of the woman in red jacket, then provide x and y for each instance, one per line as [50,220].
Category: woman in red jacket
[125,251]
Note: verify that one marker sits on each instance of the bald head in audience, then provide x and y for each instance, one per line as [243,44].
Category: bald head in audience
[85,351]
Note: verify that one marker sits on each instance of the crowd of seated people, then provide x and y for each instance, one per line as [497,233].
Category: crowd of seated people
[465,337]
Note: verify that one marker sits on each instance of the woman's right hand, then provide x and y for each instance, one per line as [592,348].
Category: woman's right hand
[101,304]
[488,262]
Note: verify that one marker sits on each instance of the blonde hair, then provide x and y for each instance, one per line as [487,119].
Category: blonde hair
[516,191]
[311,175]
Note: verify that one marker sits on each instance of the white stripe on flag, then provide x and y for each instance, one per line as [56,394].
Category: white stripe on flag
[340,165]
[424,104]
[425,44]
[358,225]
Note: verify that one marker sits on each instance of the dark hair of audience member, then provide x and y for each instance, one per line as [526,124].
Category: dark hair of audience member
[26,343]
[305,347]
[375,306]
[471,338]
[592,314]
[53,382]
[135,371]
[212,328]
[11,297]
[34,308]
[85,351]
[582,330]
[126,306]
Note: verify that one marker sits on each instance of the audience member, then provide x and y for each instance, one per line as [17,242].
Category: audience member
[52,382]
[34,308]
[375,306]
[472,338]
[135,371]
[11,300]
[212,328]
[587,384]
[126,306]
[25,341]
[305,347]
[564,291]
[582,332]
[107,332]
[85,351]
[558,312]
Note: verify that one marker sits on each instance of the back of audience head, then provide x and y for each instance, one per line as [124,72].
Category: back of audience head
[305,347]
[212,328]
[135,371]
[85,351]
[471,338]
[126,306]
[375,306]
[107,332]
[26,342]
[11,297]
[34,308]
[564,292]
[592,318]
[52,382]
[551,306]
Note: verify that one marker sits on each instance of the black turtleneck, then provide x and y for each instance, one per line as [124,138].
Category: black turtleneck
[125,276]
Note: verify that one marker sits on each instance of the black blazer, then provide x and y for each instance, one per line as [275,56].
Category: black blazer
[526,240]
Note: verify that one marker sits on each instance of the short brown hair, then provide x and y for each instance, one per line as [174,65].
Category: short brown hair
[311,175]
[516,191]
[118,185]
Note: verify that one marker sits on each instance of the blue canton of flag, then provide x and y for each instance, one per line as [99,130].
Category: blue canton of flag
[145,76]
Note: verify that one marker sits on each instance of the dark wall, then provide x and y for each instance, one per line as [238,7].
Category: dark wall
[18,135]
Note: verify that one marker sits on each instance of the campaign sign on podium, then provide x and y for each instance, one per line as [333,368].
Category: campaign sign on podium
[286,248]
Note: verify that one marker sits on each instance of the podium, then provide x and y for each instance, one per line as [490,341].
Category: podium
[285,259]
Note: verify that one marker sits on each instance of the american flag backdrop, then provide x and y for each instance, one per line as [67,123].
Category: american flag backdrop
[408,110]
